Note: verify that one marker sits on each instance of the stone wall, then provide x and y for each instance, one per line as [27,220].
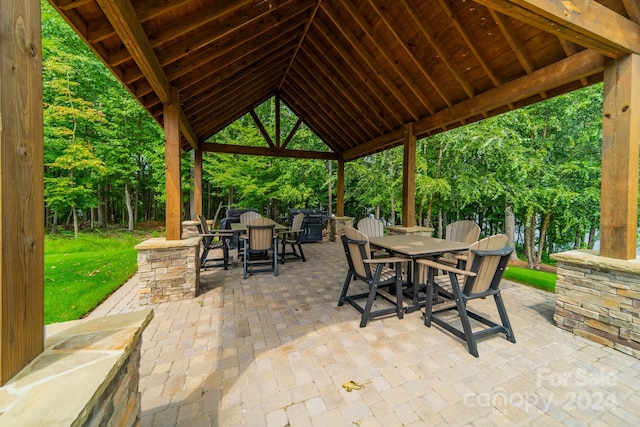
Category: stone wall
[88,375]
[337,225]
[599,298]
[168,270]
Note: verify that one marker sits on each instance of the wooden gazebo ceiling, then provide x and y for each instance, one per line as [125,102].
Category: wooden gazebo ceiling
[355,71]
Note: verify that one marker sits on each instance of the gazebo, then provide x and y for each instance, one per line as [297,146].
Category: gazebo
[364,75]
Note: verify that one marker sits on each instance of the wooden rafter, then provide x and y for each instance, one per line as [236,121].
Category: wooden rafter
[585,22]
[397,33]
[444,56]
[123,18]
[358,72]
[371,63]
[633,10]
[294,129]
[389,57]
[301,40]
[571,49]
[270,152]
[517,47]
[261,128]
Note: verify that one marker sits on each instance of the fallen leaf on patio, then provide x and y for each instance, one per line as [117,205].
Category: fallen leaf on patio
[358,423]
[351,385]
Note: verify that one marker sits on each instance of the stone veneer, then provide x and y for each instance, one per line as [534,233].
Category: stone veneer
[599,298]
[416,229]
[168,270]
[337,225]
[87,375]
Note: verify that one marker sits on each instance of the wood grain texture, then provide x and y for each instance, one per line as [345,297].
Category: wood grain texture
[21,187]
[173,201]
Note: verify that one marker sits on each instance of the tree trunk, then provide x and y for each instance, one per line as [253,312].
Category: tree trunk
[377,211]
[592,238]
[127,201]
[546,219]
[330,170]
[74,213]
[54,223]
[393,212]
[510,230]
[530,238]
[440,224]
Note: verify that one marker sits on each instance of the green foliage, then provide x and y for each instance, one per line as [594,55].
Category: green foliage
[81,273]
[537,279]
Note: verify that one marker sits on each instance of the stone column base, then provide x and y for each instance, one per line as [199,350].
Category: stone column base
[337,225]
[598,298]
[169,270]
[398,229]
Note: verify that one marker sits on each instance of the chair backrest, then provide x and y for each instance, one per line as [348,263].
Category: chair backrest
[488,267]
[463,231]
[260,232]
[203,226]
[357,249]
[248,216]
[296,225]
[371,227]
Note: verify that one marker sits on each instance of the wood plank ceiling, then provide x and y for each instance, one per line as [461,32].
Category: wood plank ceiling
[354,71]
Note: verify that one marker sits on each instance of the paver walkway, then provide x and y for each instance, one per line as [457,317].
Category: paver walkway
[277,351]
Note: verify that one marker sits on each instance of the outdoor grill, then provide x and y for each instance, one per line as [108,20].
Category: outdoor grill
[312,223]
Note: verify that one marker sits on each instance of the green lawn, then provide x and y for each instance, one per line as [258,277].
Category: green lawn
[81,273]
[537,279]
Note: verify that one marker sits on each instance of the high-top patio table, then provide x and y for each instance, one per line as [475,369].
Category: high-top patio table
[237,226]
[415,246]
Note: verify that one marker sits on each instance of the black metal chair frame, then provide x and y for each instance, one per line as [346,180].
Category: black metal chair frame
[462,296]
[292,237]
[216,240]
[374,282]
[252,258]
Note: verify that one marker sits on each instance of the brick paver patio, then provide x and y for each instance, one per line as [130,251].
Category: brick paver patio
[277,351]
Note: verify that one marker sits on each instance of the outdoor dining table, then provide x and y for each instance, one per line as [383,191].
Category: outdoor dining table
[415,246]
[242,227]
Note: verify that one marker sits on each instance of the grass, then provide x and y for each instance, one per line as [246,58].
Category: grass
[81,273]
[537,279]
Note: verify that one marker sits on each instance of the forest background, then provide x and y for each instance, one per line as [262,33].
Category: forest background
[534,172]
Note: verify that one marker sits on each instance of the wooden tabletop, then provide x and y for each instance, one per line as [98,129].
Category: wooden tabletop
[416,246]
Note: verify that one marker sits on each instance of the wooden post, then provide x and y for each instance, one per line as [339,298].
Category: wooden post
[340,189]
[173,220]
[21,187]
[620,138]
[197,184]
[409,177]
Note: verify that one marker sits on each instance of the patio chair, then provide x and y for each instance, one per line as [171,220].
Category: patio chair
[248,216]
[292,237]
[486,261]
[217,242]
[372,227]
[260,240]
[373,272]
[460,231]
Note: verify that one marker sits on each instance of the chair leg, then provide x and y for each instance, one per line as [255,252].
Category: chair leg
[301,253]
[398,286]
[373,289]
[275,258]
[245,259]
[428,309]
[225,256]
[504,318]
[345,288]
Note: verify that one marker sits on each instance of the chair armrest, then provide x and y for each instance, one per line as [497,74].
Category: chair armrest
[385,260]
[217,234]
[498,252]
[444,267]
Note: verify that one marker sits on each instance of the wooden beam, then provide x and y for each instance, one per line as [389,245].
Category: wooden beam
[443,54]
[210,147]
[340,189]
[378,144]
[197,184]
[301,39]
[291,133]
[573,68]
[418,63]
[585,22]
[409,177]
[21,187]
[356,45]
[173,203]
[620,138]
[187,131]
[261,128]
[633,10]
